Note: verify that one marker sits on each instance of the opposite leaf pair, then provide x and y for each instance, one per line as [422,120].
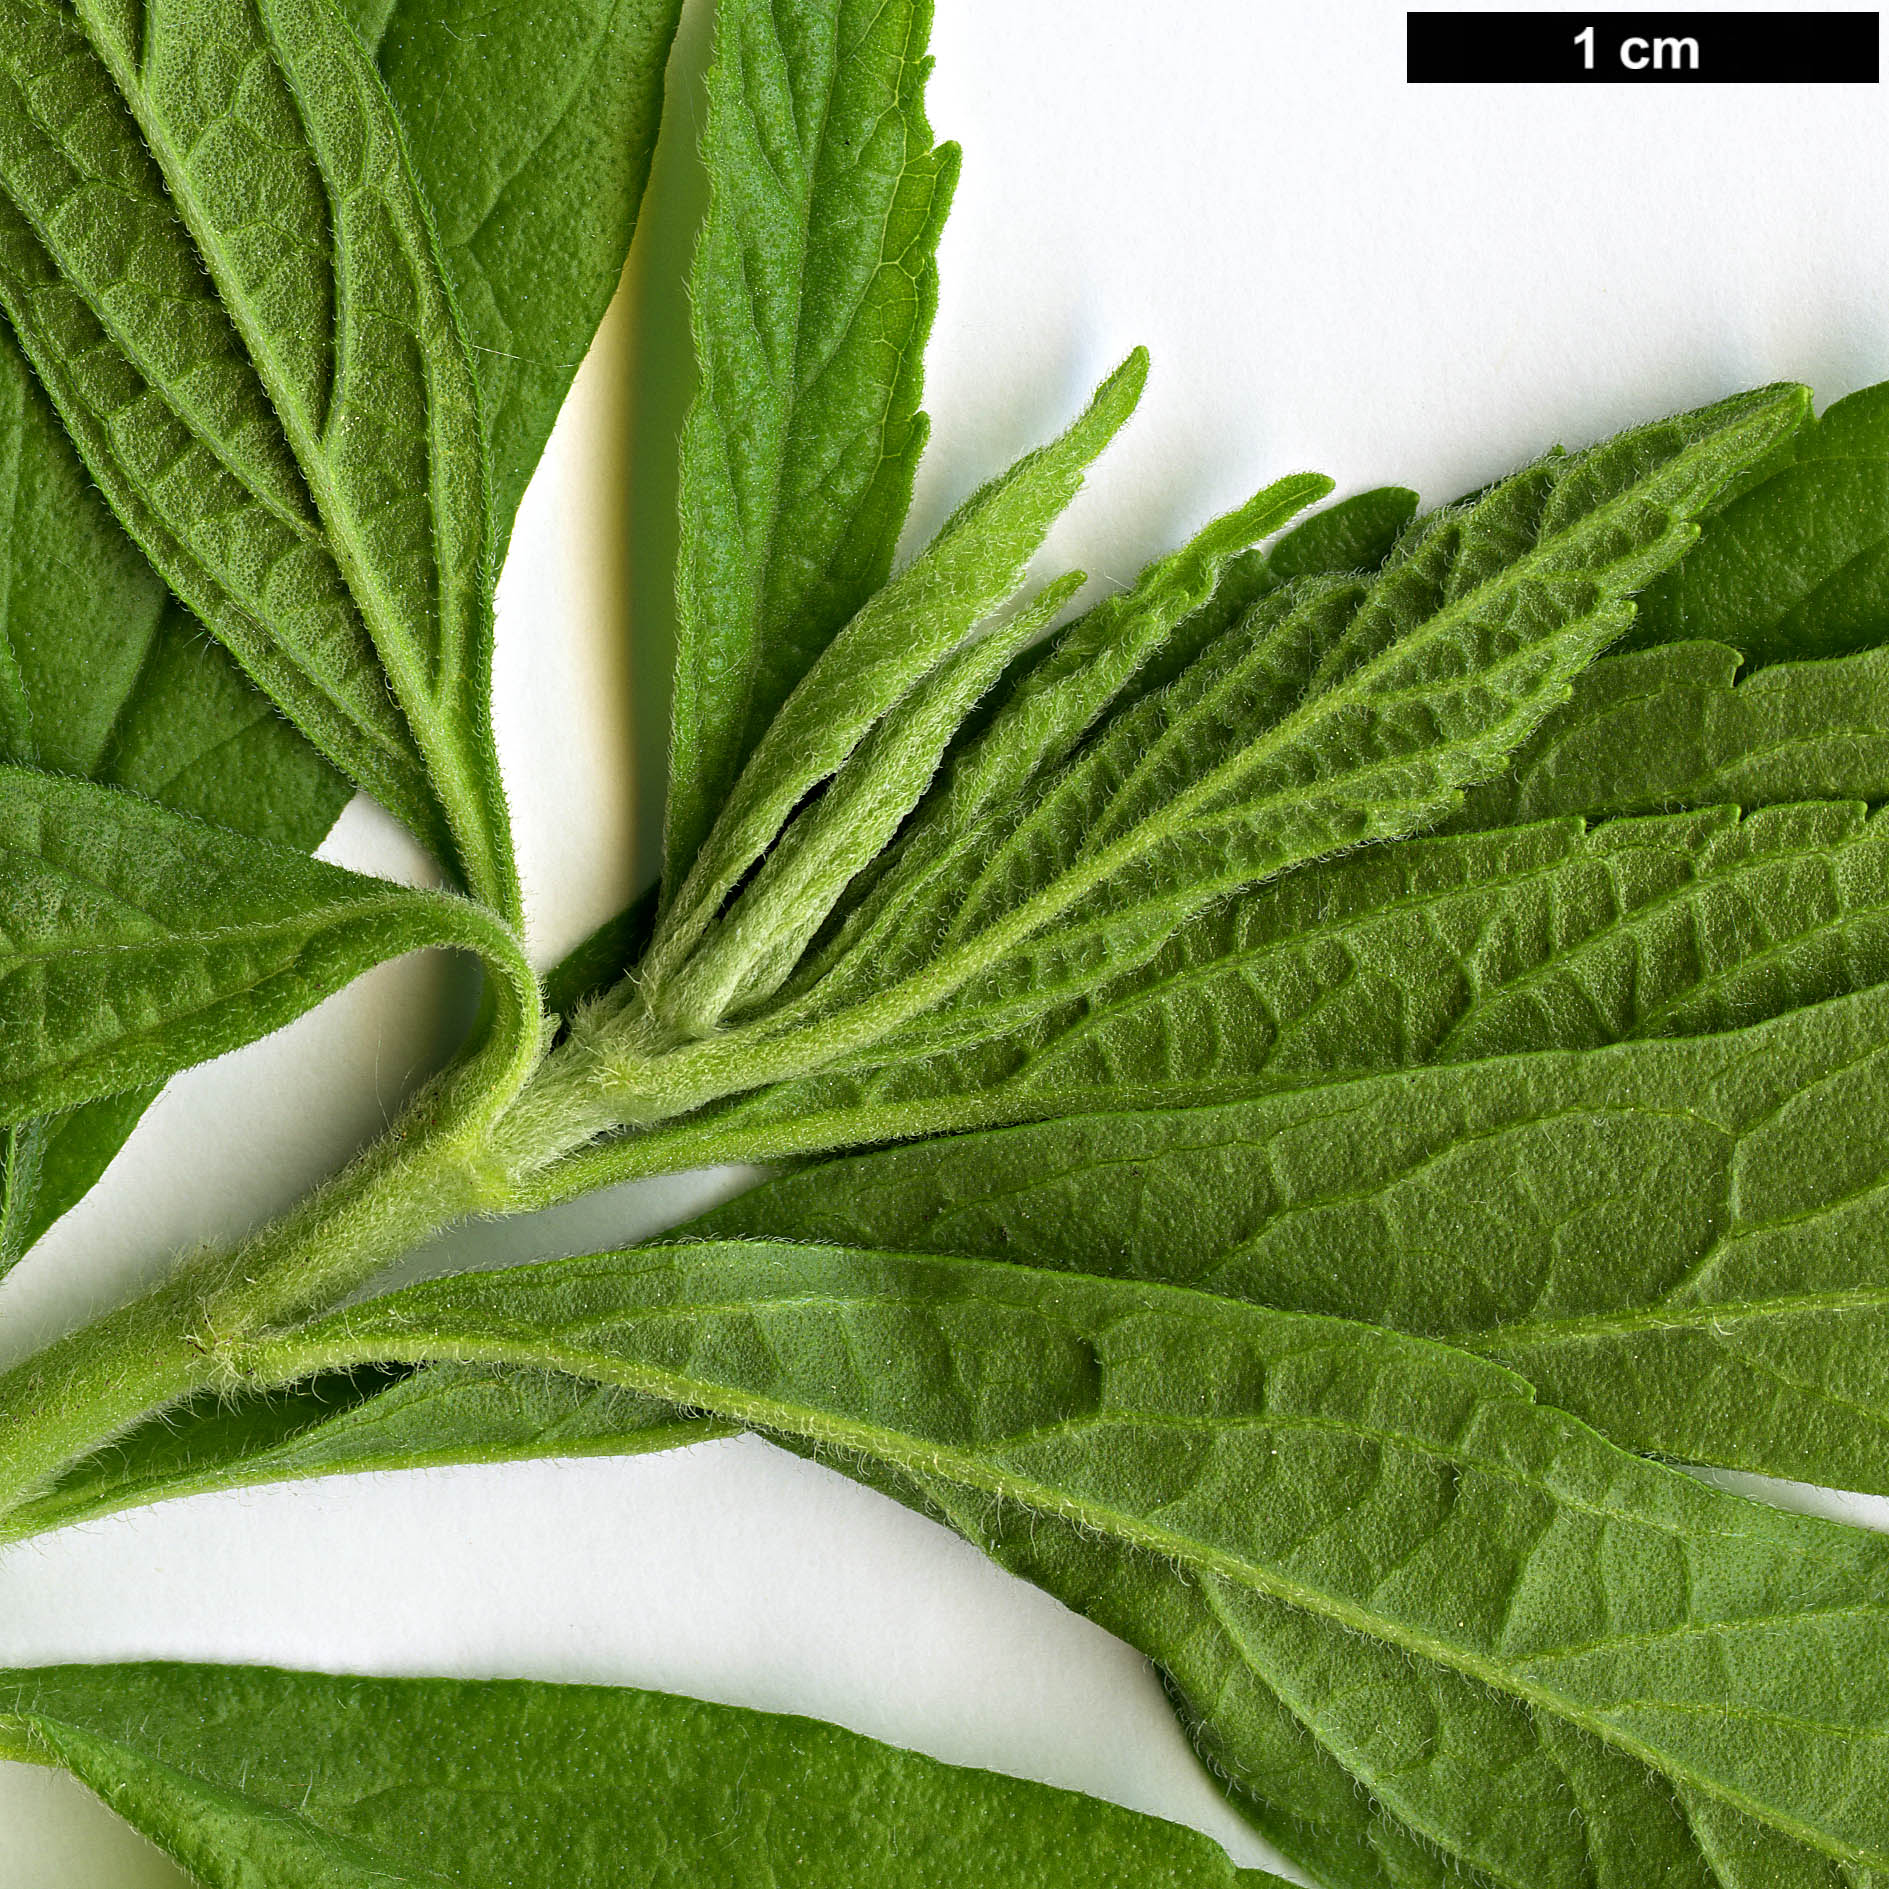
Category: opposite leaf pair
[924,873]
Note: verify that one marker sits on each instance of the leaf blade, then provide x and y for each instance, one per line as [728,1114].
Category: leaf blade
[359,1423]
[814,286]
[102,677]
[490,1782]
[1155,1418]
[280,410]
[1795,563]
[534,170]
[1727,1311]
[135,942]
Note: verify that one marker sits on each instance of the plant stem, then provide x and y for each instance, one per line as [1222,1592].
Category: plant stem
[434,1167]
[478,1141]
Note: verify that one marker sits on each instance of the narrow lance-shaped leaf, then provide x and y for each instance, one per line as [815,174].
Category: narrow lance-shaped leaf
[897,638]
[813,291]
[533,168]
[101,676]
[1448,1783]
[353,1422]
[135,942]
[1344,711]
[1680,1242]
[1315,1471]
[279,407]
[248,1774]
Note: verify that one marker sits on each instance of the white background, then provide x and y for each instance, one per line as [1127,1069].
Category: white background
[1332,270]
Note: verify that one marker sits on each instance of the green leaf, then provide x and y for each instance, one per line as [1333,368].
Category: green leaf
[102,676]
[1797,561]
[1322,1481]
[247,1775]
[279,407]
[22,1156]
[79,1147]
[1340,711]
[1346,711]
[755,946]
[1372,960]
[1683,1243]
[349,1422]
[814,286]
[1664,728]
[1356,534]
[1434,950]
[898,637]
[135,942]
[745,958]
[534,169]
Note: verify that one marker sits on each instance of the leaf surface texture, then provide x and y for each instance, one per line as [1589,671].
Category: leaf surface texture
[1324,1474]
[135,942]
[814,286]
[217,258]
[247,1775]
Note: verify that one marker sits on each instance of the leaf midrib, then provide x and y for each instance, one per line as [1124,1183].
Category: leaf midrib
[418,695]
[969,1470]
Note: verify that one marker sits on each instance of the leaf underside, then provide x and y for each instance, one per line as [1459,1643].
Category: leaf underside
[247,1775]
[1367,1510]
[813,291]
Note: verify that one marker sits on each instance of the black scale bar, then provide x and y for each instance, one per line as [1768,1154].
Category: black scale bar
[1643,48]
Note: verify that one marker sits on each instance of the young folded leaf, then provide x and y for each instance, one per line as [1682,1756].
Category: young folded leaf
[895,640]
[754,948]
[814,286]
[1358,533]
[1186,597]
[744,959]
[1341,711]
[248,1775]
[533,169]
[135,942]
[1796,563]
[1313,1470]
[280,408]
[1680,1242]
